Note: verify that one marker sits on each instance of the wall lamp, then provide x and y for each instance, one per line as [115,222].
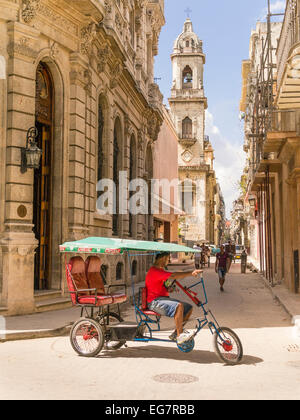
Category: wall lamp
[31,155]
[252,201]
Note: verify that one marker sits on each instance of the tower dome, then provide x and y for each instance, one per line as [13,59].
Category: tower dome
[188,41]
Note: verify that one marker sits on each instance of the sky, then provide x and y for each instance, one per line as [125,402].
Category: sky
[225,27]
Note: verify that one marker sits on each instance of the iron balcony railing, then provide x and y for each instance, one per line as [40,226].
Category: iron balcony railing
[289,36]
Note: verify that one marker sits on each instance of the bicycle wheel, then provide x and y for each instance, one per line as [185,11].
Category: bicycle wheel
[107,320]
[228,346]
[87,337]
[187,346]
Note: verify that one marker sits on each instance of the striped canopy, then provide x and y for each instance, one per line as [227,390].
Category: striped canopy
[118,246]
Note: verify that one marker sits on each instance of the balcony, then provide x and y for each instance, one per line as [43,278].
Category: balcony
[90,8]
[187,140]
[288,58]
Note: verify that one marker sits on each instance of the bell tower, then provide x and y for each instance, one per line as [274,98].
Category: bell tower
[187,105]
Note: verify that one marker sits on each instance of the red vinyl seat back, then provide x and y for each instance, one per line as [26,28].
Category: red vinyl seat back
[94,278]
[78,274]
[70,283]
[144,305]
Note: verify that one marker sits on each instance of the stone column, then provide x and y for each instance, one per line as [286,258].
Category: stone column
[18,242]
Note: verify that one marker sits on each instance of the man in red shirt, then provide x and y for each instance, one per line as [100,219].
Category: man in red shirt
[222,266]
[159,284]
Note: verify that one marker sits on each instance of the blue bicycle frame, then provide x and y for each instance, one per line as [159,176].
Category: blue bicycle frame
[146,321]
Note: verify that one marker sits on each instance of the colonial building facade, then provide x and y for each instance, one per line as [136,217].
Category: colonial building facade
[195,155]
[80,74]
[271,102]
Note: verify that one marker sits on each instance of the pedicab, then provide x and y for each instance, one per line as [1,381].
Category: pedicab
[101,326]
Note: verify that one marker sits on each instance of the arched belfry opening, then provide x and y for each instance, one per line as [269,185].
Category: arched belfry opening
[187,78]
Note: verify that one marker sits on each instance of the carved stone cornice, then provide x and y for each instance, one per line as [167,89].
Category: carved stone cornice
[81,75]
[29,9]
[21,47]
[116,72]
[153,123]
[102,57]
[155,97]
[87,36]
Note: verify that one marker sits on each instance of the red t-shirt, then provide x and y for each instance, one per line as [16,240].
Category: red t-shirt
[155,279]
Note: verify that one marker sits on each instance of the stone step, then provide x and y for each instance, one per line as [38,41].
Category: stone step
[3,310]
[53,304]
[42,295]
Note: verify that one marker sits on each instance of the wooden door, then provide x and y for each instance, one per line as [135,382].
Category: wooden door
[42,179]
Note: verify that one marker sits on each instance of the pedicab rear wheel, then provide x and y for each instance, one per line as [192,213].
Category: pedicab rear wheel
[107,320]
[87,338]
[228,346]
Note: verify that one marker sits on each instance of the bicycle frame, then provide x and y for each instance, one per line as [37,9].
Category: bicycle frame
[202,323]
[146,321]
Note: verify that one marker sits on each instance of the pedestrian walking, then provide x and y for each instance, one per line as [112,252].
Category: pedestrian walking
[197,256]
[222,266]
[230,250]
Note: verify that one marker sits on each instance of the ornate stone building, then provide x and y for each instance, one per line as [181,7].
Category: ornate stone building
[81,72]
[271,103]
[188,104]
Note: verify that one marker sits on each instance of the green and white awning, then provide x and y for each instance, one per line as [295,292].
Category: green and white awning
[114,246]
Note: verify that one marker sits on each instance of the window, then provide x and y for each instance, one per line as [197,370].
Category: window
[119,271]
[132,176]
[100,143]
[187,128]
[103,272]
[134,268]
[116,169]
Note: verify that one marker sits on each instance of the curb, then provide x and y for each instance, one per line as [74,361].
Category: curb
[276,297]
[35,334]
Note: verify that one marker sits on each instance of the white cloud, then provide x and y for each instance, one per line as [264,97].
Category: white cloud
[229,162]
[277,6]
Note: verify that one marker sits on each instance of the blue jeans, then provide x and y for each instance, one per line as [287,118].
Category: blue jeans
[222,273]
[167,307]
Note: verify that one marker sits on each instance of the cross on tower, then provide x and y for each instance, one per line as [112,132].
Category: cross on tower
[188,11]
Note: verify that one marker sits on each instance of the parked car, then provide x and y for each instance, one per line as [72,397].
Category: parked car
[214,249]
[238,251]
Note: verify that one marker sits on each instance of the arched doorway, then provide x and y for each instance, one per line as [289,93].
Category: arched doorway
[42,191]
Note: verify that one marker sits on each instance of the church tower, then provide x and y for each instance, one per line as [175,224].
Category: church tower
[188,104]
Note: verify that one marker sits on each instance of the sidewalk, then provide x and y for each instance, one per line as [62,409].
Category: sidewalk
[288,300]
[46,324]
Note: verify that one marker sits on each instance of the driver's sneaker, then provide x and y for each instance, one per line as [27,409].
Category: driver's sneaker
[173,336]
[185,336]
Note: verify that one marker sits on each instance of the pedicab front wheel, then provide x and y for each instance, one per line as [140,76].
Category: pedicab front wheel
[87,337]
[228,346]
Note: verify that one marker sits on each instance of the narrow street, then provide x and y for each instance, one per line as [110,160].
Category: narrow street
[49,368]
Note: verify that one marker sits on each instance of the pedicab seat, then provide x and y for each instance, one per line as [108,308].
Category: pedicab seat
[144,304]
[95,280]
[86,288]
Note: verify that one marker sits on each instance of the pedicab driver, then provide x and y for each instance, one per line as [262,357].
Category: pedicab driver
[159,286]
